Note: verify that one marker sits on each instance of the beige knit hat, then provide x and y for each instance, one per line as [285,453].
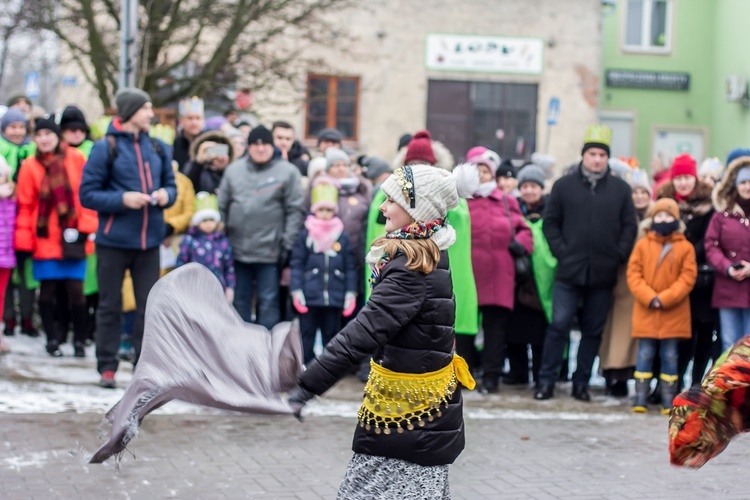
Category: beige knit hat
[427,193]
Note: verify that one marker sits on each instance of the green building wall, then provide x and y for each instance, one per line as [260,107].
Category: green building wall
[730,125]
[693,52]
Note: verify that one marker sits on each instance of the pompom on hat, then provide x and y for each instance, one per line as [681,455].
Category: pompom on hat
[206,208]
[420,148]
[480,155]
[324,193]
[427,193]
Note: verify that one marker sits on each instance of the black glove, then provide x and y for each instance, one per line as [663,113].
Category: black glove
[297,399]
[516,249]
[169,228]
[285,257]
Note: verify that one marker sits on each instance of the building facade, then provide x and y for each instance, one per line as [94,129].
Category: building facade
[675,78]
[481,72]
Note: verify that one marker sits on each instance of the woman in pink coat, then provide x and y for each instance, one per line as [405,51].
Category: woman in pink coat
[498,232]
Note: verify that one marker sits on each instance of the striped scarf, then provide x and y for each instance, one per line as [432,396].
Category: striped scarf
[55,193]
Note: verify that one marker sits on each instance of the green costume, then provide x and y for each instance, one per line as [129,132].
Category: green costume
[15,154]
[464,288]
[85,147]
[544,265]
[90,283]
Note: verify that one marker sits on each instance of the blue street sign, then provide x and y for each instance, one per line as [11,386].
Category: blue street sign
[32,84]
[553,111]
[69,81]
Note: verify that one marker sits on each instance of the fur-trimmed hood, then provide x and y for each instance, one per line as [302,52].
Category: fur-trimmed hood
[442,155]
[699,202]
[724,192]
[214,136]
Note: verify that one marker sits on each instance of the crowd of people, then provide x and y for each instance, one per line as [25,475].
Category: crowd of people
[652,271]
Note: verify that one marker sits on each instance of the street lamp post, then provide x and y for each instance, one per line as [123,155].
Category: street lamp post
[128,45]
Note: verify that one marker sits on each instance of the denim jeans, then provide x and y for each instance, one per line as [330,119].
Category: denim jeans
[735,324]
[565,300]
[264,277]
[667,349]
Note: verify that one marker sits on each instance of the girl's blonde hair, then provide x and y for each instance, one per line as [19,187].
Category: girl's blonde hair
[422,255]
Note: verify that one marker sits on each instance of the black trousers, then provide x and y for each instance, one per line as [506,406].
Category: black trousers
[65,297]
[328,319]
[494,324]
[518,359]
[111,267]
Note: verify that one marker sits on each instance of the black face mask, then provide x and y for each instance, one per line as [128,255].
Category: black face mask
[665,228]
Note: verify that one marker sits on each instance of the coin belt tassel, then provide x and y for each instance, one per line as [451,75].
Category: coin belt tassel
[398,401]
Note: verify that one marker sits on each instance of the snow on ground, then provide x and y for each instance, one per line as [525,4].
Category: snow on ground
[33,382]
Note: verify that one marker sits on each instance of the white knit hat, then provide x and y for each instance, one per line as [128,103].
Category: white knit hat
[427,193]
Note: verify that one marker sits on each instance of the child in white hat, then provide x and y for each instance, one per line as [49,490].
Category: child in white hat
[206,244]
[324,276]
[411,420]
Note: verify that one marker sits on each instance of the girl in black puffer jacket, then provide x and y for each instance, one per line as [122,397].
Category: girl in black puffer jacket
[411,420]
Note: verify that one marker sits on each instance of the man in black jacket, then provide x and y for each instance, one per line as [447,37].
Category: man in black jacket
[590,225]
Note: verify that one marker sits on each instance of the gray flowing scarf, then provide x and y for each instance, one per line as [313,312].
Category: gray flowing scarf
[196,348]
[593,177]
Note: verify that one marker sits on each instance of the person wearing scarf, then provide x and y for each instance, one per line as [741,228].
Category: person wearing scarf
[727,248]
[498,233]
[693,196]
[53,228]
[411,420]
[590,226]
[323,272]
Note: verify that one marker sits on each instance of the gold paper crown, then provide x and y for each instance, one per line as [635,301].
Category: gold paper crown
[206,201]
[324,191]
[600,134]
[193,105]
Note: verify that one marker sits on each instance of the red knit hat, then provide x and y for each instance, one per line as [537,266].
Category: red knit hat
[420,148]
[684,165]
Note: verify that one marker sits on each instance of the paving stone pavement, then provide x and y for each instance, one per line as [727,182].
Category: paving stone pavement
[43,456]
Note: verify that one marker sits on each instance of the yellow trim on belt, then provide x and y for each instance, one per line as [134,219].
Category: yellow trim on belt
[399,400]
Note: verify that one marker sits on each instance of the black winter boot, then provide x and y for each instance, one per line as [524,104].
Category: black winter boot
[642,385]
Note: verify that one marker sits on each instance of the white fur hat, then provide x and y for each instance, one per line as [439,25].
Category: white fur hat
[427,193]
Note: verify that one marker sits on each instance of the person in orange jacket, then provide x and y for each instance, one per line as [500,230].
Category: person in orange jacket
[661,273]
[54,229]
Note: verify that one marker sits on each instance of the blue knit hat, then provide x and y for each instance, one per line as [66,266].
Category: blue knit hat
[742,176]
[13,115]
[736,153]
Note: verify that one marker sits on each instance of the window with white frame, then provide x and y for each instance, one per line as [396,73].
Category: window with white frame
[648,25]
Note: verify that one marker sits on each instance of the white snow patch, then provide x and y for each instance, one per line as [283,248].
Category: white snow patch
[35,459]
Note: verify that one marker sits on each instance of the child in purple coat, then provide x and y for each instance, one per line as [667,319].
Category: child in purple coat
[7,232]
[205,244]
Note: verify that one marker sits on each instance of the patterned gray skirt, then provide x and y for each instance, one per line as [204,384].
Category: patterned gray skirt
[370,477]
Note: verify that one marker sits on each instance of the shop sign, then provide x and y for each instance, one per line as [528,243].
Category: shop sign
[647,80]
[484,53]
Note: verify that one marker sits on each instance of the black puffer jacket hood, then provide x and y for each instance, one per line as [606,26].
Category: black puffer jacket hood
[407,326]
